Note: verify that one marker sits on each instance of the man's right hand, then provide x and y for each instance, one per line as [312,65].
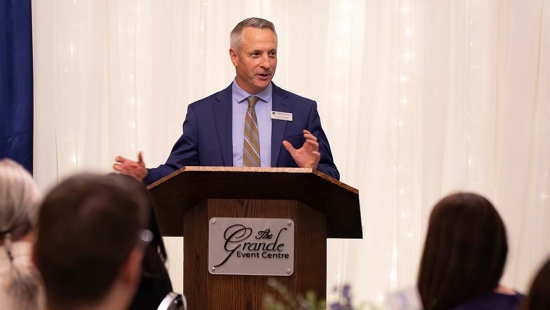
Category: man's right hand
[136,169]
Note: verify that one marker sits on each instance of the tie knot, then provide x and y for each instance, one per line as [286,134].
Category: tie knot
[252,101]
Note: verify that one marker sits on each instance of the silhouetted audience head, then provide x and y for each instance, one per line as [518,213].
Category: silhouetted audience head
[20,284]
[155,282]
[91,240]
[539,294]
[464,253]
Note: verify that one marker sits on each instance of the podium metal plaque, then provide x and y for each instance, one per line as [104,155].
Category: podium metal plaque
[251,246]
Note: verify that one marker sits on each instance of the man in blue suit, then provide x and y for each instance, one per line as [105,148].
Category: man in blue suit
[246,123]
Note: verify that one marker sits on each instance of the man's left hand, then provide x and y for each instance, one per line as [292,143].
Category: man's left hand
[308,155]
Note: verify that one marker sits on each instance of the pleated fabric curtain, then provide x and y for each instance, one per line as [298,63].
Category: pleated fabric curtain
[418,98]
[16,82]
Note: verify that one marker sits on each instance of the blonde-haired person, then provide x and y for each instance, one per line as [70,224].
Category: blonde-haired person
[20,282]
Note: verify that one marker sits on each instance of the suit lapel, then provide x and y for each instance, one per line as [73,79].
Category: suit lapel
[223,116]
[278,127]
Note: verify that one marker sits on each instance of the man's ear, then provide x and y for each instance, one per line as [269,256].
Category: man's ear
[234,56]
[33,256]
[130,273]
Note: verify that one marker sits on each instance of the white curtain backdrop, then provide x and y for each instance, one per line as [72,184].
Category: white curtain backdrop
[419,98]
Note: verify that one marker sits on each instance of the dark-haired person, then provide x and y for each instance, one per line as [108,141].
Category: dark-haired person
[539,293]
[20,283]
[464,257]
[155,282]
[251,123]
[91,240]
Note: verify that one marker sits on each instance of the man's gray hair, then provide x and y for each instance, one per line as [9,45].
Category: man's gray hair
[20,286]
[251,22]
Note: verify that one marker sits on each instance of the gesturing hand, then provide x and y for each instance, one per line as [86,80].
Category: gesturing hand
[308,155]
[136,169]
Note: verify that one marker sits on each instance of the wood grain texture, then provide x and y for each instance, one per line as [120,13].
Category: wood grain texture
[319,205]
[190,186]
[207,291]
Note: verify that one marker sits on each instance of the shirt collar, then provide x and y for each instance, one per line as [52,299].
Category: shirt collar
[240,95]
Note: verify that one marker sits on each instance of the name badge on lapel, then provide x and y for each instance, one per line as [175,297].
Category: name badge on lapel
[283,116]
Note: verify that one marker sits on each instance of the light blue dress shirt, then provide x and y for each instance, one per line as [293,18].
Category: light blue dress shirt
[263,114]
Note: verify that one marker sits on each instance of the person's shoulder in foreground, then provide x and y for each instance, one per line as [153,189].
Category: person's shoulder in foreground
[493,301]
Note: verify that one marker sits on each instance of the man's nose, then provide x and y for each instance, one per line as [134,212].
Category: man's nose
[265,62]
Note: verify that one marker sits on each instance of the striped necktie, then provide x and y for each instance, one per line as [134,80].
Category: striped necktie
[251,154]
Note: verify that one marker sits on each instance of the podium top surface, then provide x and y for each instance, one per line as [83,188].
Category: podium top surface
[189,186]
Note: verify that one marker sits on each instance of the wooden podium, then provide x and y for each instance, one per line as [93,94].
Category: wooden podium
[320,206]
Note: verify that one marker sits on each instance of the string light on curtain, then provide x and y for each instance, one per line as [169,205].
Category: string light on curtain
[469,85]
[341,14]
[204,11]
[132,13]
[405,60]
[544,195]
[72,140]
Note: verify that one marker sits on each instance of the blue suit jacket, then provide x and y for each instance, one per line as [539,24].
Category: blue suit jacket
[207,136]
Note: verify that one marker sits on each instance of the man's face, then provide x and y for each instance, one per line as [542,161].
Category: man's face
[255,60]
